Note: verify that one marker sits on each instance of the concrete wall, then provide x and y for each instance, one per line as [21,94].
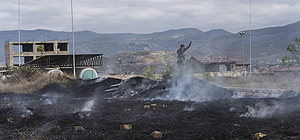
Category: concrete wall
[222,68]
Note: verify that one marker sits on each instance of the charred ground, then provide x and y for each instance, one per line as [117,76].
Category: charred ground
[99,107]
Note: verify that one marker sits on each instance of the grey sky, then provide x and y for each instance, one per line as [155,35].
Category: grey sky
[147,16]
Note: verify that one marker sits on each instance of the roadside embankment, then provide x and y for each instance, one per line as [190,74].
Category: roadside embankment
[262,92]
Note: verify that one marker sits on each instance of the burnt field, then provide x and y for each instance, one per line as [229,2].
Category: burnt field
[178,108]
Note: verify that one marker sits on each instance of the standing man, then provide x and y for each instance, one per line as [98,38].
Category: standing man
[181,57]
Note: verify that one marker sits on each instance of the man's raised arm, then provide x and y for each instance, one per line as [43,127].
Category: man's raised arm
[188,46]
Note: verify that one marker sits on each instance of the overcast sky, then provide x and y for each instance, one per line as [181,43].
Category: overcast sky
[147,16]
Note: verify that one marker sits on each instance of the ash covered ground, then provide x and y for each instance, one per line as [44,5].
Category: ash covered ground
[179,108]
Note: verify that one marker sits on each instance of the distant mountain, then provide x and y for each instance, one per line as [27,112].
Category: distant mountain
[217,32]
[267,44]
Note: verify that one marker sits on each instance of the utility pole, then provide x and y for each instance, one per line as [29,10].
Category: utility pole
[19,33]
[250,20]
[73,40]
[242,33]
[120,66]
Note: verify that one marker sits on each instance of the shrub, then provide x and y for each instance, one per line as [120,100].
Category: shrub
[150,71]
[208,76]
[169,70]
[23,72]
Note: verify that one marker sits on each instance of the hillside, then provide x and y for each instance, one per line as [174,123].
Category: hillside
[267,44]
[135,62]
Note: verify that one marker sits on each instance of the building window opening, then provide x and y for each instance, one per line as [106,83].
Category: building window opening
[28,58]
[62,47]
[27,48]
[44,47]
[16,48]
[228,67]
[40,48]
[16,61]
[48,47]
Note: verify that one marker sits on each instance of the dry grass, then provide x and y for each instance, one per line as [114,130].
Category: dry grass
[29,85]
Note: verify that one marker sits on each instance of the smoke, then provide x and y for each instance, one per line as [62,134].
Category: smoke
[270,108]
[26,112]
[189,107]
[109,69]
[185,88]
[261,111]
[21,108]
[84,112]
[110,66]
[88,106]
[47,102]
[50,98]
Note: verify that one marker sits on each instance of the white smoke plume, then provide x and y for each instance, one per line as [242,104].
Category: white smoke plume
[21,107]
[186,88]
[267,110]
[47,102]
[189,107]
[88,106]
[50,98]
[84,112]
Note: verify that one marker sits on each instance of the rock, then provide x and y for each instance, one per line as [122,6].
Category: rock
[139,101]
[257,136]
[156,135]
[78,128]
[10,120]
[153,105]
[126,127]
[146,106]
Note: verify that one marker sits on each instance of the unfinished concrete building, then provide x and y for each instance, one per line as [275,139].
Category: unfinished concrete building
[31,50]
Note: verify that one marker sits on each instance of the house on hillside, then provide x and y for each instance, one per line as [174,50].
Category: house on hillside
[219,63]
